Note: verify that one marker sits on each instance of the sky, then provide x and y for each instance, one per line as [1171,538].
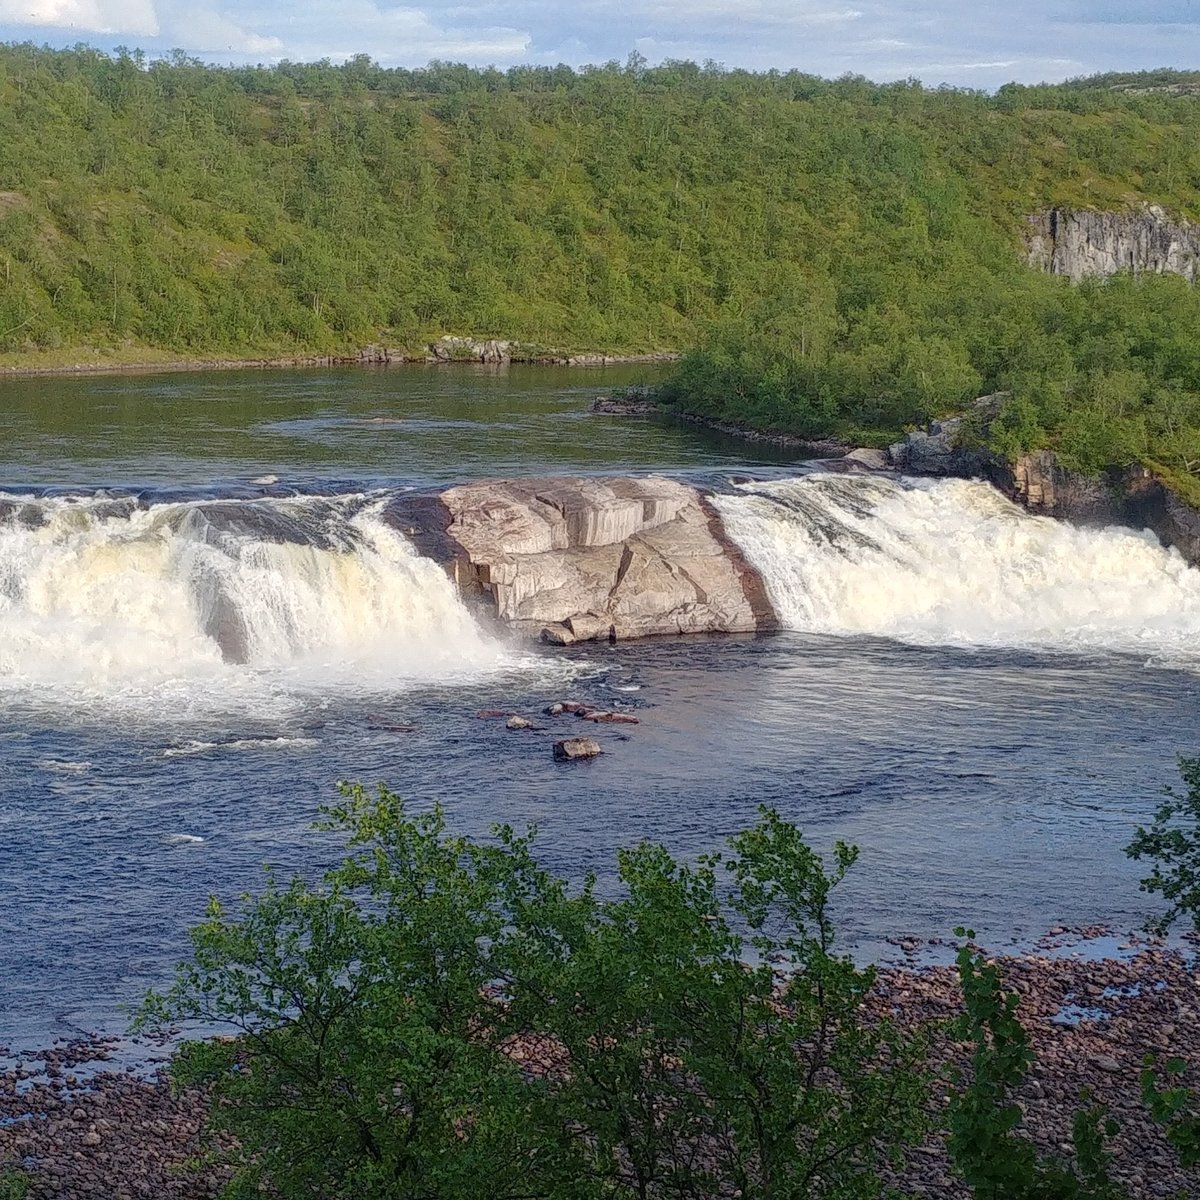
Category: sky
[961,42]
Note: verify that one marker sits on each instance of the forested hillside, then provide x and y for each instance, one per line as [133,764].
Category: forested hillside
[198,210]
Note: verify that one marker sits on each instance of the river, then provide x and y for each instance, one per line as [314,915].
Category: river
[987,704]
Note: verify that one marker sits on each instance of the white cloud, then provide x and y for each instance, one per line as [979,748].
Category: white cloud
[206,31]
[136,18]
[391,35]
[982,43]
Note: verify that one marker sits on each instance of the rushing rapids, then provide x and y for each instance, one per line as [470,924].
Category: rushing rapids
[186,673]
[953,562]
[228,602]
[210,600]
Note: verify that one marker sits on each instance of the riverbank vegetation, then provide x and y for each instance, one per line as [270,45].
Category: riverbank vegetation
[437,1011]
[1106,373]
[315,208]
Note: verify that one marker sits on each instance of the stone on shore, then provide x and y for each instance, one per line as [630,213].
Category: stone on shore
[868,457]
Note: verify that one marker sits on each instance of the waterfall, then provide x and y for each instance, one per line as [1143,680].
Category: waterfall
[104,599]
[952,562]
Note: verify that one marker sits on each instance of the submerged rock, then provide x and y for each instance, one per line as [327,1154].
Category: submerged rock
[634,403]
[578,747]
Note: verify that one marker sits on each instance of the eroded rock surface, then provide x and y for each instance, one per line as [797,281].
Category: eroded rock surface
[1134,497]
[1084,243]
[586,559]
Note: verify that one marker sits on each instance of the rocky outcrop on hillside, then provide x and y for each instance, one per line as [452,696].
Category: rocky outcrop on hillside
[1083,243]
[583,559]
[945,447]
[938,451]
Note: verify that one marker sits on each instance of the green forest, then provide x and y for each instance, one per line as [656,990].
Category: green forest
[841,257]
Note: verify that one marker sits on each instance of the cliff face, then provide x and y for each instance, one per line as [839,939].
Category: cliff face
[1132,497]
[1084,244]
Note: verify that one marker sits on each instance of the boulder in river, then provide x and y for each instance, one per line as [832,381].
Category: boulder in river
[570,749]
[869,458]
[602,559]
[611,718]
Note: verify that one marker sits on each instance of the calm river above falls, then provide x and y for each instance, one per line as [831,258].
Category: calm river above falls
[986,703]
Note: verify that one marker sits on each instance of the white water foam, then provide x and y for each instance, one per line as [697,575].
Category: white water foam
[192,748]
[952,562]
[175,610]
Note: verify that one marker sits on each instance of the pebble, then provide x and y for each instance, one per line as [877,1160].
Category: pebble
[118,1134]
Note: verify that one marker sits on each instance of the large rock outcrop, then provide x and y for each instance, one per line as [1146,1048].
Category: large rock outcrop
[1085,243]
[1133,496]
[947,447]
[938,451]
[581,559]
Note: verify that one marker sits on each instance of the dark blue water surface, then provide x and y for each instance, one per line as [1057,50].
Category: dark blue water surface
[994,788]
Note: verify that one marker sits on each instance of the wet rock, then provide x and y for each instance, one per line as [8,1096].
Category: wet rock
[584,559]
[636,402]
[570,749]
[1134,497]
[868,457]
[604,716]
[516,722]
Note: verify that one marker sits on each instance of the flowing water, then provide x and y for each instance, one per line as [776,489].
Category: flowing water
[206,621]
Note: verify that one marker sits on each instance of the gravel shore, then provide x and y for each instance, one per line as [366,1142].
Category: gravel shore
[83,1131]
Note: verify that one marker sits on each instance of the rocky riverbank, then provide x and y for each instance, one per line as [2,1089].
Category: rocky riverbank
[640,402]
[449,349]
[123,1136]
[1132,496]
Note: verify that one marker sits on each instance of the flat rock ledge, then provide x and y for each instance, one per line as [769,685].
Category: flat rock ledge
[570,559]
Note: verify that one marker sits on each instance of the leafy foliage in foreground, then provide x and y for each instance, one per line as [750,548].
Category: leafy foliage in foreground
[14,1184]
[313,207]
[439,1012]
[377,1016]
[1172,843]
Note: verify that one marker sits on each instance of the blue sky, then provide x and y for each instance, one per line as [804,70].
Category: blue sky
[953,41]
